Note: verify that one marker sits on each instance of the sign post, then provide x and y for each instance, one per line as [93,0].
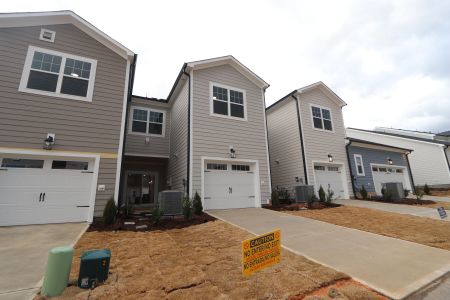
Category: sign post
[442,212]
[261,252]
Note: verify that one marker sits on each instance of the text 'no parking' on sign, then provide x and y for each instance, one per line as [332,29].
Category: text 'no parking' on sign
[261,252]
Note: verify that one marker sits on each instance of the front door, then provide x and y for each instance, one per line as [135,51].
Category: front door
[141,188]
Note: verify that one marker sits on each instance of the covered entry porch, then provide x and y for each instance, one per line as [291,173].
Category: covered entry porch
[142,179]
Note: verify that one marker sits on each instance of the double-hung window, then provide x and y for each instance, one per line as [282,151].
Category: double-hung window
[227,101]
[359,165]
[321,117]
[53,73]
[147,121]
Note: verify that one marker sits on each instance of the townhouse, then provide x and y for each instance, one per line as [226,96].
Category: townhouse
[307,141]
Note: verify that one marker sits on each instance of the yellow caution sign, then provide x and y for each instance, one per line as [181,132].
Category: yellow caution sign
[261,252]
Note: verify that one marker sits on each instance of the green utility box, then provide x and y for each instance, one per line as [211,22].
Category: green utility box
[94,268]
[57,271]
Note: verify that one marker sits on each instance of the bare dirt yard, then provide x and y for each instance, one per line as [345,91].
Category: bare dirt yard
[203,261]
[424,231]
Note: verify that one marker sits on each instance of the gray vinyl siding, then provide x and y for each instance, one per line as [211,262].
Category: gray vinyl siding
[106,176]
[318,143]
[157,146]
[372,156]
[178,139]
[212,135]
[284,145]
[26,118]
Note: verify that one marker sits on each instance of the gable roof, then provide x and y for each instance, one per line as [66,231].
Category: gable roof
[64,17]
[320,85]
[444,133]
[403,136]
[214,62]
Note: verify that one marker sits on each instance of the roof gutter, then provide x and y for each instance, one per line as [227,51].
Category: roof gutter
[301,137]
[413,186]
[130,93]
[188,160]
[446,156]
[350,169]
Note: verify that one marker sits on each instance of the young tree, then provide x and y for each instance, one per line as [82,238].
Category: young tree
[322,195]
[363,192]
[197,203]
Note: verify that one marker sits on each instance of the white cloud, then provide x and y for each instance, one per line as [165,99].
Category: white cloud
[387,59]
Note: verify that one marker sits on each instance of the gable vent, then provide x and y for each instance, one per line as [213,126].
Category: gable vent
[47,35]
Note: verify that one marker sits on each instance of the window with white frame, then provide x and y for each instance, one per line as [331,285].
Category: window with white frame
[147,121]
[58,74]
[359,165]
[227,101]
[321,118]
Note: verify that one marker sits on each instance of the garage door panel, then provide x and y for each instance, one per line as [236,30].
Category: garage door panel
[329,177]
[382,175]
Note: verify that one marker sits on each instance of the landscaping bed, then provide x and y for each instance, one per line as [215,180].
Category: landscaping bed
[145,222]
[434,233]
[301,206]
[201,261]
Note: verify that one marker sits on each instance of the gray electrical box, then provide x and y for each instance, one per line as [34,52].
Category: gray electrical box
[395,189]
[170,202]
[303,192]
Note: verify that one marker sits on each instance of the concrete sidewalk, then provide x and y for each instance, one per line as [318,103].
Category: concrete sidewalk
[396,208]
[23,255]
[436,198]
[395,268]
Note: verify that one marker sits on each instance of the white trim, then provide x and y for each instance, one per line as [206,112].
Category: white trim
[27,68]
[343,175]
[267,143]
[191,134]
[325,89]
[43,31]
[228,88]
[122,133]
[355,156]
[52,153]
[393,136]
[146,155]
[212,62]
[321,117]
[64,17]
[405,173]
[257,181]
[148,109]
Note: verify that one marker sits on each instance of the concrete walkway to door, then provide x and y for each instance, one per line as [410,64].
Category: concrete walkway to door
[23,255]
[396,208]
[393,267]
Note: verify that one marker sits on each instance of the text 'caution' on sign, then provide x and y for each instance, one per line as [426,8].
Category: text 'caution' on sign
[261,252]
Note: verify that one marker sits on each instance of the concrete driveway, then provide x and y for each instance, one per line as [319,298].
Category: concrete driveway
[396,268]
[396,208]
[23,255]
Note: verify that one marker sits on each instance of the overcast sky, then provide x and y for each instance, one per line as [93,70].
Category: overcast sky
[389,60]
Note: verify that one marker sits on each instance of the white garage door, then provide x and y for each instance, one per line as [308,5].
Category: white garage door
[229,185]
[39,190]
[383,174]
[329,176]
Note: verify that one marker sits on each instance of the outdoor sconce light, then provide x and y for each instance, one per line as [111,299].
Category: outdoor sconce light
[389,160]
[232,152]
[49,141]
[330,158]
[296,179]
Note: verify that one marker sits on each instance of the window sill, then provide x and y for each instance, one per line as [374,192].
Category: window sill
[146,134]
[228,117]
[323,130]
[56,95]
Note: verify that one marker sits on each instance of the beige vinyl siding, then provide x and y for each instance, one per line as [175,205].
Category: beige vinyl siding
[158,146]
[26,118]
[106,176]
[318,143]
[213,135]
[178,139]
[284,145]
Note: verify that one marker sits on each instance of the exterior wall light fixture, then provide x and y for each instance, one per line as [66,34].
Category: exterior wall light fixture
[49,141]
[330,158]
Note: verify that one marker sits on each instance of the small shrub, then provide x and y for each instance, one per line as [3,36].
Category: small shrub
[275,198]
[426,189]
[329,197]
[110,212]
[322,196]
[187,207]
[197,203]
[406,192]
[418,194]
[157,214]
[363,192]
[284,196]
[311,200]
